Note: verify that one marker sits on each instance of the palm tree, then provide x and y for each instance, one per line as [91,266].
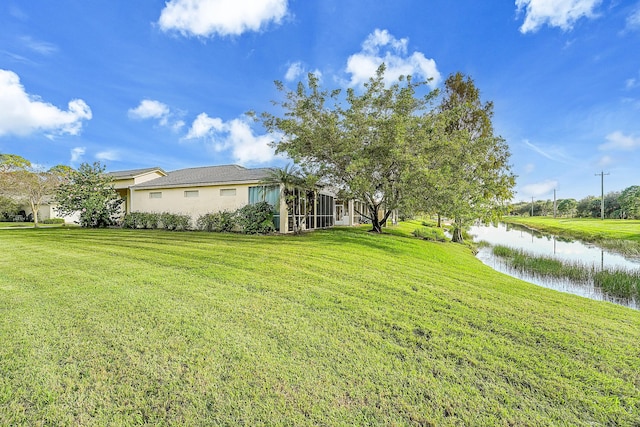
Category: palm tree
[290,180]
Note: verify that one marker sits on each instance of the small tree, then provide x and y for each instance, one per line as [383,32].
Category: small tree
[90,192]
[22,182]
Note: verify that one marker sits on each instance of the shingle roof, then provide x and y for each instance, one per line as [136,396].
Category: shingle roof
[215,175]
[132,173]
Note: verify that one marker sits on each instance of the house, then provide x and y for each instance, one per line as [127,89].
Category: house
[202,190]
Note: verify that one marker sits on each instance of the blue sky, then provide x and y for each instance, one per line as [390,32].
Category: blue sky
[168,83]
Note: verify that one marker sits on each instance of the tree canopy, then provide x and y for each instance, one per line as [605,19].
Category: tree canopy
[363,144]
[469,168]
[22,182]
[388,147]
[90,192]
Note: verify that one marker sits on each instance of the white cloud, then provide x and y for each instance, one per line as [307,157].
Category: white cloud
[294,71]
[297,70]
[631,83]
[382,47]
[77,153]
[23,114]
[151,109]
[557,154]
[605,161]
[529,167]
[235,135]
[555,13]
[538,189]
[43,48]
[633,20]
[619,141]
[108,155]
[222,17]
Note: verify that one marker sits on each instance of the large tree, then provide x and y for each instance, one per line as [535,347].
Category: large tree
[90,192]
[630,201]
[362,142]
[470,176]
[22,182]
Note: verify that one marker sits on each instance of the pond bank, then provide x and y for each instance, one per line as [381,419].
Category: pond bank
[536,245]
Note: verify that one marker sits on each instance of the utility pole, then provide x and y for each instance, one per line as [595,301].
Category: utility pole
[554,203]
[602,174]
[531,205]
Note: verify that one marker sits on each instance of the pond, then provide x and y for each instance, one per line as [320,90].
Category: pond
[537,243]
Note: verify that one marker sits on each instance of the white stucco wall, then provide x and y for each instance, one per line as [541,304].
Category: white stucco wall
[173,200]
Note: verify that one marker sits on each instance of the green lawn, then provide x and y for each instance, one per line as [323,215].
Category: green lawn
[584,228]
[337,327]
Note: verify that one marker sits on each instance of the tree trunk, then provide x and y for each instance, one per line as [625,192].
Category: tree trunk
[439,221]
[35,209]
[456,234]
[376,225]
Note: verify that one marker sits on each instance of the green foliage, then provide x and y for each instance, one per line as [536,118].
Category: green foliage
[430,233]
[544,265]
[13,162]
[617,282]
[256,218]
[145,220]
[363,144]
[9,208]
[174,222]
[24,183]
[467,174]
[293,184]
[218,221]
[630,201]
[90,192]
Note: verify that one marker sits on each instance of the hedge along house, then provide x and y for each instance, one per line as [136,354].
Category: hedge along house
[203,190]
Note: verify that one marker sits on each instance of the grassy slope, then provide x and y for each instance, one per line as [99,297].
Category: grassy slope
[340,327]
[590,229]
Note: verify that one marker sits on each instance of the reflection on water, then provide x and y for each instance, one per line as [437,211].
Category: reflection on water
[560,248]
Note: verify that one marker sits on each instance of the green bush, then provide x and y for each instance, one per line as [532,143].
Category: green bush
[174,222]
[218,221]
[146,220]
[256,218]
[430,233]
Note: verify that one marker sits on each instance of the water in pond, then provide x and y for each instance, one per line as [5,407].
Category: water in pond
[547,245]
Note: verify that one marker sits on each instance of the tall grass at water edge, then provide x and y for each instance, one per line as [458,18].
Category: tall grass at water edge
[619,282]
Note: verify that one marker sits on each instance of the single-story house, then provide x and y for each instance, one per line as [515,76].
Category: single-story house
[202,190]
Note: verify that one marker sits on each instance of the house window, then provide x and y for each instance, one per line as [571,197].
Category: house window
[191,193]
[227,191]
[155,195]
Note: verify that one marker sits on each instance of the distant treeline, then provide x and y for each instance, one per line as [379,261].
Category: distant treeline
[617,204]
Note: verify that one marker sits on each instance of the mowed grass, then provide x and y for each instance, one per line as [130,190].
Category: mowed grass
[337,327]
[589,229]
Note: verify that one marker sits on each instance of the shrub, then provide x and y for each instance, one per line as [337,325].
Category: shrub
[174,222]
[148,220]
[218,221]
[430,233]
[256,218]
